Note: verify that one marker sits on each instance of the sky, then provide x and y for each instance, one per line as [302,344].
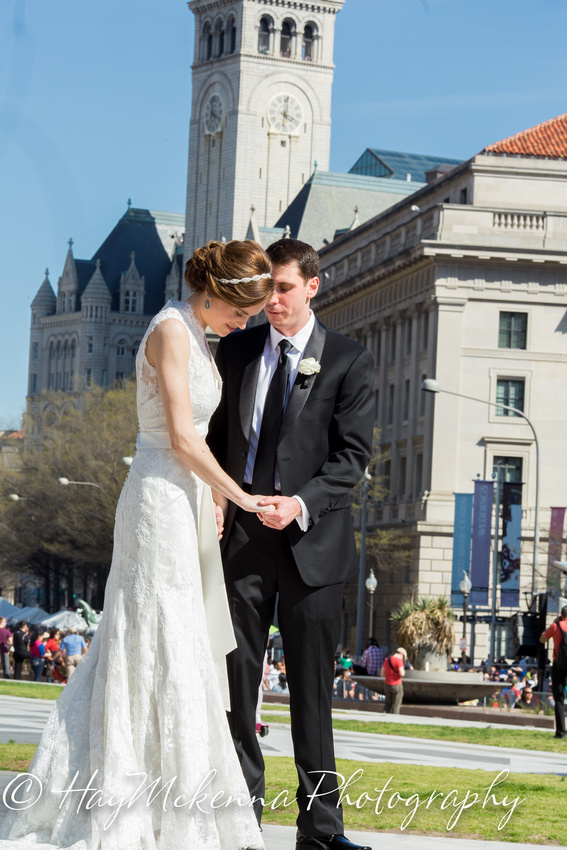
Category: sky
[95,102]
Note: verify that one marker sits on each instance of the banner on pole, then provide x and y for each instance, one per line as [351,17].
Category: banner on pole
[462,531]
[555,535]
[511,544]
[481,533]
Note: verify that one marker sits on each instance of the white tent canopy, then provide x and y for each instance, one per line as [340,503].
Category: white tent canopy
[64,620]
[31,614]
[7,609]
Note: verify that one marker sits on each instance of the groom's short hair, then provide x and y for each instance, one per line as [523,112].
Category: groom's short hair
[286,251]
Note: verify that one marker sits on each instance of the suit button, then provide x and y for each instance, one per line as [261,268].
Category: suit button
[244,454]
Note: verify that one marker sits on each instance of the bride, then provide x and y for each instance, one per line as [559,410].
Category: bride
[137,753]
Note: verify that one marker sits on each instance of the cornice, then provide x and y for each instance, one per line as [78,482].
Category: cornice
[331,7]
[211,64]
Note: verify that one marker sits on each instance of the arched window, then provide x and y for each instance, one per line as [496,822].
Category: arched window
[121,347]
[231,35]
[309,43]
[207,42]
[286,37]
[264,35]
[219,39]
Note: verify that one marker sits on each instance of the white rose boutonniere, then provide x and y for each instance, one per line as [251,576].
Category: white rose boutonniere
[309,366]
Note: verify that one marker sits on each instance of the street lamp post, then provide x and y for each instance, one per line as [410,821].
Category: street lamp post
[466,587]
[432,386]
[371,585]
[366,479]
[65,482]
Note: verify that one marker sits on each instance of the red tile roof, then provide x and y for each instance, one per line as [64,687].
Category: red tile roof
[548,139]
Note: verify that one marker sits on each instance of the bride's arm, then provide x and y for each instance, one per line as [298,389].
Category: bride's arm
[168,351]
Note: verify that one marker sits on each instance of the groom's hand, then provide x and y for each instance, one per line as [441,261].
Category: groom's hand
[219,517]
[286,510]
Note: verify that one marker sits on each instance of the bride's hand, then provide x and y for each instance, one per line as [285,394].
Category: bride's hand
[250,504]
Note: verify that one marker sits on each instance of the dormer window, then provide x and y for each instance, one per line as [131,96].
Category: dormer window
[130,301]
[264,35]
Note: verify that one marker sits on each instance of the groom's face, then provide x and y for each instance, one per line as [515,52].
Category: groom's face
[288,308]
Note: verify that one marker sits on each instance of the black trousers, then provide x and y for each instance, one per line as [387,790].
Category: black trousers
[558,691]
[259,568]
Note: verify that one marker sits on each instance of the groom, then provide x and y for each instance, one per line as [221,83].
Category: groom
[294,423]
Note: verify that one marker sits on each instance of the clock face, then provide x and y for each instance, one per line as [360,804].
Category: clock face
[213,114]
[285,113]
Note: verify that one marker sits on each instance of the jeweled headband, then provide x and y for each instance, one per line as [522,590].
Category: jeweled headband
[234,281]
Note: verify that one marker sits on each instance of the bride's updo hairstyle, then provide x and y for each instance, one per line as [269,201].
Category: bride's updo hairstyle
[235,260]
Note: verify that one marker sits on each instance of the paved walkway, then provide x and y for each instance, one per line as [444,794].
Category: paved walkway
[23,720]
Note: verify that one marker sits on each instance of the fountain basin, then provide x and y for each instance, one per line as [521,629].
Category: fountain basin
[436,687]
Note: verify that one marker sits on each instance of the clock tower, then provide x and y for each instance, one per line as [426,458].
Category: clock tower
[261,110]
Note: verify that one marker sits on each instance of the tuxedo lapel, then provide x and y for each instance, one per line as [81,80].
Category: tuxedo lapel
[304,383]
[250,381]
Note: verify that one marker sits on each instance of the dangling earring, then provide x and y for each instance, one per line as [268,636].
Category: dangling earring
[207,302]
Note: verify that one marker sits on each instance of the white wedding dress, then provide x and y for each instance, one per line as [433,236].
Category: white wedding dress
[146,698]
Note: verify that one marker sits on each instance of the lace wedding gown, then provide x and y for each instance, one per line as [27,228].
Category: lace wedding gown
[146,699]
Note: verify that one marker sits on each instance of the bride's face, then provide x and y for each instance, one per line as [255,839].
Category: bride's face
[223,318]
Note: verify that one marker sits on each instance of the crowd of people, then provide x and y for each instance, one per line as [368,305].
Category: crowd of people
[45,653]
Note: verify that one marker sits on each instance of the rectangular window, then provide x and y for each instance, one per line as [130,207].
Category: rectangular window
[376,404]
[391,391]
[408,329]
[377,346]
[33,388]
[463,196]
[422,396]
[104,377]
[51,380]
[402,478]
[406,400]
[511,470]
[418,474]
[35,350]
[65,382]
[425,330]
[90,345]
[105,346]
[386,476]
[88,377]
[512,330]
[393,330]
[511,393]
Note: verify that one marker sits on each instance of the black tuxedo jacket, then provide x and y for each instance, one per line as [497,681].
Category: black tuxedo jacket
[324,446]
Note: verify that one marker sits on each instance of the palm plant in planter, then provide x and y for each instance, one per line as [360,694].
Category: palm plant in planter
[424,627]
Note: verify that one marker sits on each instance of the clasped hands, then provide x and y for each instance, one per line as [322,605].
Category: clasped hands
[278,513]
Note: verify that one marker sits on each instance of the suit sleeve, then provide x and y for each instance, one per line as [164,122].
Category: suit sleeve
[350,440]
[218,426]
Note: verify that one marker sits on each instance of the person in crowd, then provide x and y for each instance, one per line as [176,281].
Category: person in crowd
[393,671]
[38,655]
[73,646]
[558,631]
[53,646]
[528,699]
[280,686]
[6,641]
[21,647]
[344,688]
[372,657]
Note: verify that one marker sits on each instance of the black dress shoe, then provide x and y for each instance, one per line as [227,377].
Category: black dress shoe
[558,735]
[327,842]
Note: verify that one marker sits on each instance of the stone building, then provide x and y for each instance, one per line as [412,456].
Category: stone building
[464,282]
[88,333]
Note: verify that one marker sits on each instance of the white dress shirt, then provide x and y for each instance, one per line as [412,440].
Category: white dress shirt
[268,365]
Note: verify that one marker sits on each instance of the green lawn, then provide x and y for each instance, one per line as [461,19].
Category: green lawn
[30,690]
[495,736]
[415,799]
